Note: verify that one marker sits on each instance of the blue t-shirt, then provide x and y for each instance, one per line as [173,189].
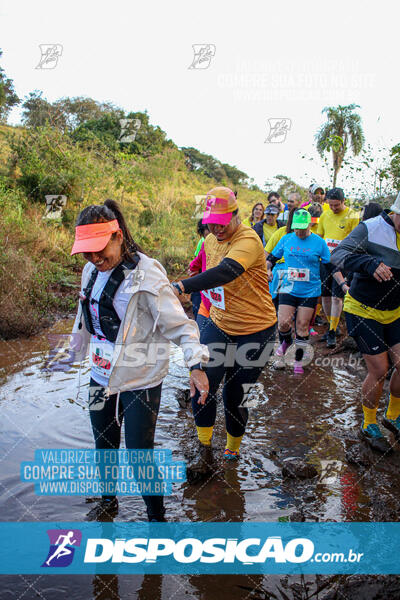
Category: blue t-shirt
[302,261]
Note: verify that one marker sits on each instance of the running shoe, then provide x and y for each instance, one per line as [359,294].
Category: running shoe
[331,339]
[318,321]
[282,349]
[298,368]
[325,336]
[231,454]
[313,332]
[372,434]
[202,466]
[279,362]
[105,510]
[393,425]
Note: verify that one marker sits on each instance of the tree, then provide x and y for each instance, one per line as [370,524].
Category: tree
[38,112]
[65,114]
[342,129]
[8,97]
[213,168]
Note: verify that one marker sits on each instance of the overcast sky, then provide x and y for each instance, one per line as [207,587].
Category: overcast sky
[273,60]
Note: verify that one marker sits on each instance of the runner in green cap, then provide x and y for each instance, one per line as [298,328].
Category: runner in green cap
[303,252]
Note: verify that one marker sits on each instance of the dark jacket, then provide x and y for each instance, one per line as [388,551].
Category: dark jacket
[370,243]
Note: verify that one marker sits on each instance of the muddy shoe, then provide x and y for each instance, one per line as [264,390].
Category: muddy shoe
[331,339]
[393,425]
[231,455]
[372,434]
[202,466]
[105,510]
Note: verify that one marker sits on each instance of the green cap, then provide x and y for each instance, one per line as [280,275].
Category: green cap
[301,219]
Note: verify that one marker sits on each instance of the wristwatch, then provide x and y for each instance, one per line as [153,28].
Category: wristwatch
[199,366]
[342,284]
[177,287]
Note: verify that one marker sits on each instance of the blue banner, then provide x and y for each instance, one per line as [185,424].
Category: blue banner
[199,548]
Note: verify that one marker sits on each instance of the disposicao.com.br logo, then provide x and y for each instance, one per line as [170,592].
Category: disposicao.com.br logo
[213,550]
[62,547]
[200,548]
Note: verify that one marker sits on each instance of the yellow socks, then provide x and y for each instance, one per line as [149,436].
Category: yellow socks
[233,443]
[205,434]
[369,416]
[333,323]
[393,410]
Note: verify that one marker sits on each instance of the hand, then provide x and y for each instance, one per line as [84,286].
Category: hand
[269,275]
[179,283]
[199,381]
[345,288]
[383,273]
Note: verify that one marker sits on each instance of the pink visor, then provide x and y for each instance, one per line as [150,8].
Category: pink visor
[93,237]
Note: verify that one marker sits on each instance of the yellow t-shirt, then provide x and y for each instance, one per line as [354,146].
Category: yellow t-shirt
[269,231]
[247,222]
[275,238]
[353,306]
[335,227]
[244,305]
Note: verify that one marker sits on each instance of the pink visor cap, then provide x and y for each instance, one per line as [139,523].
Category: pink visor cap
[219,210]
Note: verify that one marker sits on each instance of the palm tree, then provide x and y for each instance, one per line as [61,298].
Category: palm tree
[342,128]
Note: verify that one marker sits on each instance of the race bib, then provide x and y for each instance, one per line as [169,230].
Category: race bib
[296,274]
[100,356]
[216,296]
[332,244]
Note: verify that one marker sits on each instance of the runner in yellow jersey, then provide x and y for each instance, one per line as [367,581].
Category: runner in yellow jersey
[372,309]
[334,225]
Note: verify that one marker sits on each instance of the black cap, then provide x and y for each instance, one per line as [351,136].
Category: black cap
[272,210]
[335,194]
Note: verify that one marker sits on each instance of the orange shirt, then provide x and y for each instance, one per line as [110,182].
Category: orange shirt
[244,305]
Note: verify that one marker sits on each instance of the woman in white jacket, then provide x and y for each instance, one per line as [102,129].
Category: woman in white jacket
[127,316]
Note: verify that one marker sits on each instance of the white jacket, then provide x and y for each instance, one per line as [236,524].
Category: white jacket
[154,317]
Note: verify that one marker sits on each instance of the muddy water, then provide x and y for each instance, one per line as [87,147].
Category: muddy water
[312,418]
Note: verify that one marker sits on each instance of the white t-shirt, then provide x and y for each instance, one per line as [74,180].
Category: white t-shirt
[101,350]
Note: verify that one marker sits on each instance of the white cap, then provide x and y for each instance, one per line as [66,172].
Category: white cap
[396,206]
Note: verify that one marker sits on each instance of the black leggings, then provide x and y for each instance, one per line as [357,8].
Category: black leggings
[139,408]
[240,366]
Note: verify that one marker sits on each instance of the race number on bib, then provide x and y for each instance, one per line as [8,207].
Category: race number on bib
[296,274]
[100,355]
[332,244]
[216,296]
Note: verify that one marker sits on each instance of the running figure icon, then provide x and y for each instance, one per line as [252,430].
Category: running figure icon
[62,549]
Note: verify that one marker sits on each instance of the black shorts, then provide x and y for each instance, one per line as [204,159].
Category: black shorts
[329,285]
[373,337]
[295,301]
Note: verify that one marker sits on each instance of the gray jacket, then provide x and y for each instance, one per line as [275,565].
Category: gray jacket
[154,317]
